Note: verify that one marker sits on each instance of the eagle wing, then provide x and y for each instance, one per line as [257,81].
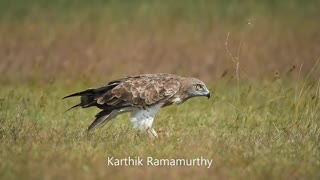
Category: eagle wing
[141,91]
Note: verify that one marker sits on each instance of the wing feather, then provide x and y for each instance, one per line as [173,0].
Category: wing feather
[143,90]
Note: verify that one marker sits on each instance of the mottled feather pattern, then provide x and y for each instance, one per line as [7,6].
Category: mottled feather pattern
[143,91]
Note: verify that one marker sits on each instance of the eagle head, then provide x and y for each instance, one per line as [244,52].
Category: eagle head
[194,87]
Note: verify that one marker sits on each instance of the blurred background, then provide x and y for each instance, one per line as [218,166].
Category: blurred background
[97,40]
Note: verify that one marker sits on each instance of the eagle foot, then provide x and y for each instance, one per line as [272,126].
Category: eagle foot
[152,133]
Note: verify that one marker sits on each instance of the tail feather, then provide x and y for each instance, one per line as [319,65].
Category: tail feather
[77,105]
[87,100]
[88,91]
[88,97]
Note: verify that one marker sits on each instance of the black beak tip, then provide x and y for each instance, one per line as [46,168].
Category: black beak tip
[208,95]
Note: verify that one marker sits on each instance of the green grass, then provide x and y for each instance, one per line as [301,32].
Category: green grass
[271,132]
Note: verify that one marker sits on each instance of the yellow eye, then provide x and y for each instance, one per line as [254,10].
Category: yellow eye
[199,87]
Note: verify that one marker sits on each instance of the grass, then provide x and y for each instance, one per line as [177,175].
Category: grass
[272,133]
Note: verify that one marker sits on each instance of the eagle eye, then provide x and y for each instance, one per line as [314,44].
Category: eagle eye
[199,87]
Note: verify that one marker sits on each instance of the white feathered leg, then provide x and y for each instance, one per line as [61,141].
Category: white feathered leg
[143,118]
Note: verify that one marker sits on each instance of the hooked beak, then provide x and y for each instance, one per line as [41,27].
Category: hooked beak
[208,95]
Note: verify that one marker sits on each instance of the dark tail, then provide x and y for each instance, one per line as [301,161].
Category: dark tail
[88,97]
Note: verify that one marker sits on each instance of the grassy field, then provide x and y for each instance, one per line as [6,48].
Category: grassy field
[263,121]
[271,132]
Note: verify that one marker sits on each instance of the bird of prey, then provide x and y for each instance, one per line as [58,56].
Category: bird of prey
[141,95]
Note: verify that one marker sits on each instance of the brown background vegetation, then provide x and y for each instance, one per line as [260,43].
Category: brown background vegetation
[48,48]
